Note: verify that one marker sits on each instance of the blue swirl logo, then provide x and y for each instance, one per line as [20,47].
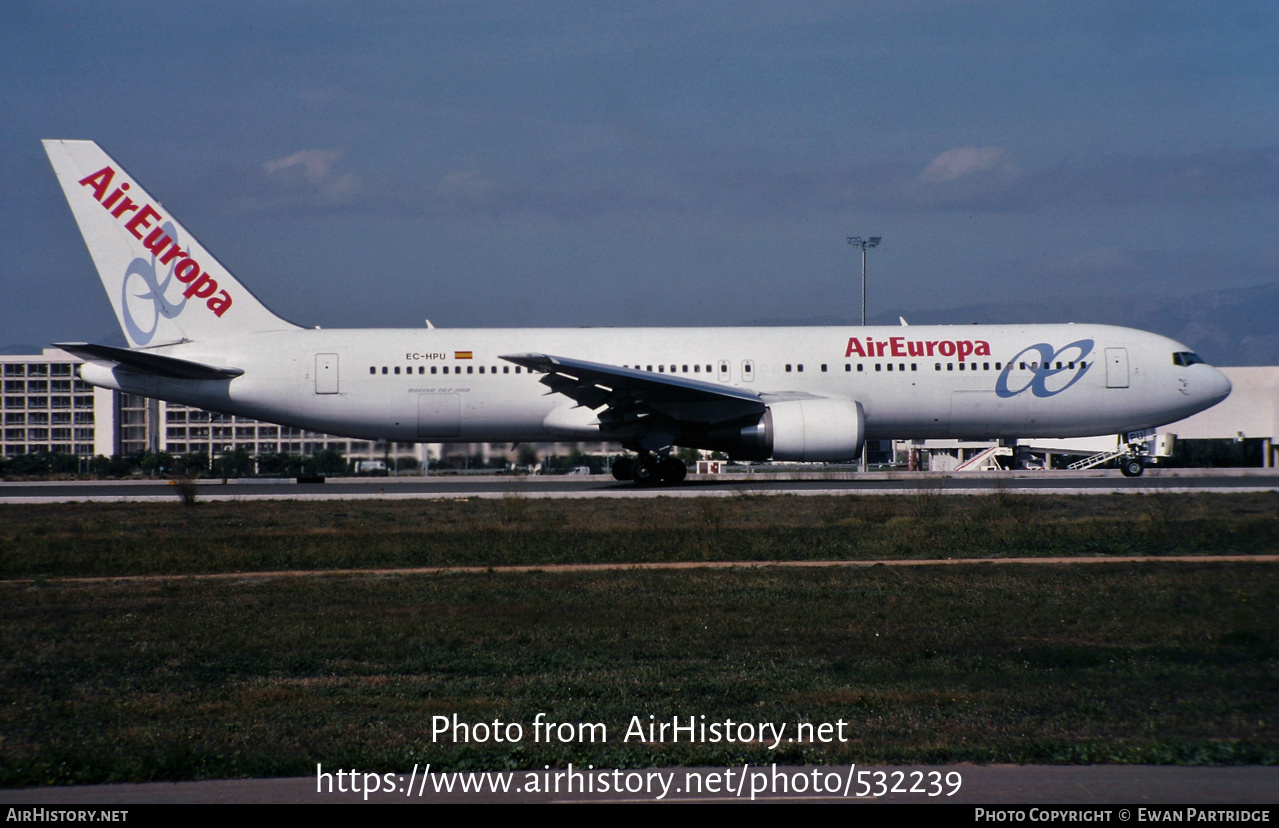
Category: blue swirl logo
[154,293]
[1045,380]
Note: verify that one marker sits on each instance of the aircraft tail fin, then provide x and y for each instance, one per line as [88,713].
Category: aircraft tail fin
[164,286]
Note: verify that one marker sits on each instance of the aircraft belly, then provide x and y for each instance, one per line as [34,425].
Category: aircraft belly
[498,418]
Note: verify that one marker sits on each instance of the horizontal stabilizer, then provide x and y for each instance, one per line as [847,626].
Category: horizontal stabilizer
[147,363]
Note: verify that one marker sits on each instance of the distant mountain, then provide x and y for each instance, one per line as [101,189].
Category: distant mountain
[1236,326]
[807,322]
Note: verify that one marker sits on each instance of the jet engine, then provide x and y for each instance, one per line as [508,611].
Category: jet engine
[805,430]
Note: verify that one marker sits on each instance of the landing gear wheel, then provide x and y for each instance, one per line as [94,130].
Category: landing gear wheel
[1132,467]
[646,471]
[622,468]
[673,470]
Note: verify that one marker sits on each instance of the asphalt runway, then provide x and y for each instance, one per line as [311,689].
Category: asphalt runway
[792,483]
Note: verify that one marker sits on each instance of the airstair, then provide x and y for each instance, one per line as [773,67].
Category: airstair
[985,460]
[1099,459]
[1135,449]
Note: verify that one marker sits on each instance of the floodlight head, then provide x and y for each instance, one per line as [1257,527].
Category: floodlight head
[874,240]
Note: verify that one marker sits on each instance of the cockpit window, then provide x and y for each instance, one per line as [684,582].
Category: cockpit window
[1185,358]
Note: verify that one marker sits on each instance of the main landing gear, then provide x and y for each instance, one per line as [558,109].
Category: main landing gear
[650,469]
[1132,466]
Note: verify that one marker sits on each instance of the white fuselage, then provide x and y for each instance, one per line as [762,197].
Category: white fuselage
[445,385]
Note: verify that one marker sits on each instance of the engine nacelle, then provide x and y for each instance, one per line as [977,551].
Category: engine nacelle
[810,430]
[804,430]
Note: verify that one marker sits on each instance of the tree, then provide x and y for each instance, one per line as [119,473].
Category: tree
[324,462]
[238,463]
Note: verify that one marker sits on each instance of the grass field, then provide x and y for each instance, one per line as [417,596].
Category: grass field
[88,539]
[183,678]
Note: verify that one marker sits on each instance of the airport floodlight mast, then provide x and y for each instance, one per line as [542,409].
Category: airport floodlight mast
[858,241]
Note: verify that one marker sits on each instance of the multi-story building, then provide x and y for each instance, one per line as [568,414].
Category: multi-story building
[46,407]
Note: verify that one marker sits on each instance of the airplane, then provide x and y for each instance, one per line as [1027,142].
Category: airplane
[198,337]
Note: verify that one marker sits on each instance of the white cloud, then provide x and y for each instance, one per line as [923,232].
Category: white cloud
[317,163]
[316,166]
[964,161]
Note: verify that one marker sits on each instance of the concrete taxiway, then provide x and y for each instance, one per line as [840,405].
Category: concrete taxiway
[792,483]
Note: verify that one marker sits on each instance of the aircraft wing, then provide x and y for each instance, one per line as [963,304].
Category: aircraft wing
[148,363]
[631,394]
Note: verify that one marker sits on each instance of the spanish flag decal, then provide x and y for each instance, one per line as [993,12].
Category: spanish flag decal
[462,355]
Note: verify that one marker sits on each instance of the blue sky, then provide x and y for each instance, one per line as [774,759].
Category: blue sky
[561,163]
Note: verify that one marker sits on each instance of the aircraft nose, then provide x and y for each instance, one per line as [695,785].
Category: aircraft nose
[1221,386]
